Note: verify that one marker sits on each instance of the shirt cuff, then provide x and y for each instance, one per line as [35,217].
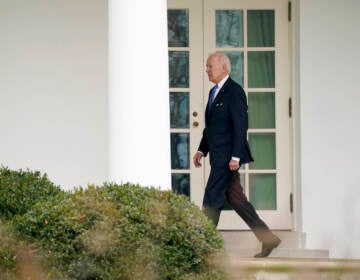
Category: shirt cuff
[235,158]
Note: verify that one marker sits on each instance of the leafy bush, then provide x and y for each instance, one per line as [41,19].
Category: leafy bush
[123,232]
[117,232]
[8,251]
[18,258]
[20,190]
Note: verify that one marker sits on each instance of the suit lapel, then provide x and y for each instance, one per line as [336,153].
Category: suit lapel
[219,95]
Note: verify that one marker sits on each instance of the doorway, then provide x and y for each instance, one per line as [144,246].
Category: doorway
[255,36]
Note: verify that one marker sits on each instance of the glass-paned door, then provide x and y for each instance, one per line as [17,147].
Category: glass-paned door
[254,34]
[185,94]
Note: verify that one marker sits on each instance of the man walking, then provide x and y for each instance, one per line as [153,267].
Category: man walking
[225,139]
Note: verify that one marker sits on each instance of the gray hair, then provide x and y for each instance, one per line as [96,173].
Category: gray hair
[224,60]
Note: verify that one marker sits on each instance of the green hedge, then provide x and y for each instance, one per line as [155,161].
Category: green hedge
[20,190]
[9,248]
[120,232]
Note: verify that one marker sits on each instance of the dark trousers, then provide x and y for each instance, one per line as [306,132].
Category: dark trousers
[239,202]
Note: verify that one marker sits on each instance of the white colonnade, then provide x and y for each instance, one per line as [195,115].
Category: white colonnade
[138,93]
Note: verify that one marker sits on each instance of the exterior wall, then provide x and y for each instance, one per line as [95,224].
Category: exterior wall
[53,89]
[330,135]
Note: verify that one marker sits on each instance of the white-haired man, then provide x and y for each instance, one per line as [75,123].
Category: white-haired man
[225,139]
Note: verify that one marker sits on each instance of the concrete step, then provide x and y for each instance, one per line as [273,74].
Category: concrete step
[291,269]
[281,253]
[293,245]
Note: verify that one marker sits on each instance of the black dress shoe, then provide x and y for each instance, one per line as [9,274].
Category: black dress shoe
[267,248]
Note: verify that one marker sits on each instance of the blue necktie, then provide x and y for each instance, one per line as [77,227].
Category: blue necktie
[212,95]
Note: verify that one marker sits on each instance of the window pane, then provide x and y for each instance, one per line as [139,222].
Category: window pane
[263,191]
[181,183]
[261,109]
[261,69]
[179,110]
[178,28]
[227,206]
[179,69]
[262,146]
[229,28]
[180,150]
[261,28]
[237,66]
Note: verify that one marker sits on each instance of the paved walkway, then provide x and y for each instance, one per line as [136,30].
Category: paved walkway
[292,269]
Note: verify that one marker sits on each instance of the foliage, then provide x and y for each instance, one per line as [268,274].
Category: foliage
[121,232]
[8,251]
[20,190]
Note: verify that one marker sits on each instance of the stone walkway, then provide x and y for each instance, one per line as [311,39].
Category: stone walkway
[292,269]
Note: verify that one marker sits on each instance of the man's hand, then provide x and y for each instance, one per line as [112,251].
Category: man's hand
[234,165]
[196,159]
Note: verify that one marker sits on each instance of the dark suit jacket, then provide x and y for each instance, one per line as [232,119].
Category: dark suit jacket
[224,136]
[226,125]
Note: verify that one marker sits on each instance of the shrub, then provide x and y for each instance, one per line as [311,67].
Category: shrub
[104,232]
[18,258]
[8,251]
[184,238]
[123,232]
[20,190]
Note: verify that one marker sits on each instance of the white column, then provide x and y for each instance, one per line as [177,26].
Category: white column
[139,97]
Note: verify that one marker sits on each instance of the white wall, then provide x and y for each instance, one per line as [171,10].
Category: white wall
[330,132]
[53,88]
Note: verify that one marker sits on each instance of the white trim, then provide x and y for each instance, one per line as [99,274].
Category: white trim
[295,95]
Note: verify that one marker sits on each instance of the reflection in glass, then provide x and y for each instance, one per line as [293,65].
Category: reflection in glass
[263,191]
[263,149]
[261,28]
[179,110]
[261,69]
[181,183]
[261,109]
[179,69]
[180,150]
[237,66]
[227,206]
[229,28]
[178,28]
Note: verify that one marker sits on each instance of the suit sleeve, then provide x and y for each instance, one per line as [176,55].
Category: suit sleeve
[203,147]
[239,117]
